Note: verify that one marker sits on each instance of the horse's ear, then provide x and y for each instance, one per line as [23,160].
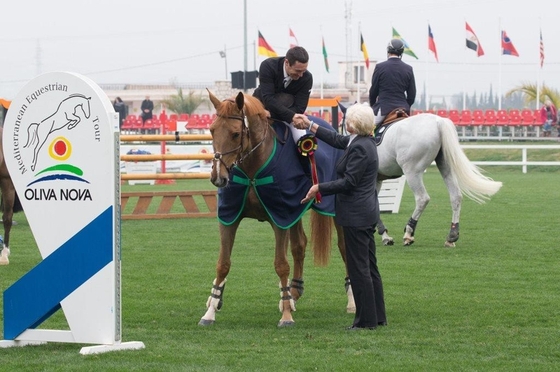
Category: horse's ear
[215,101]
[240,100]
[342,108]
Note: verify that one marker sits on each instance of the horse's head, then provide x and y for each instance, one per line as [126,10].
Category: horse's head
[234,131]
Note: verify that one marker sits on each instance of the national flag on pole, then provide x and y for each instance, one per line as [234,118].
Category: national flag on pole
[407,49]
[507,46]
[541,50]
[265,49]
[432,43]
[364,50]
[472,41]
[293,39]
[325,56]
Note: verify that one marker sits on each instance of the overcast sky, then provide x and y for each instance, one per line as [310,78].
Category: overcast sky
[179,40]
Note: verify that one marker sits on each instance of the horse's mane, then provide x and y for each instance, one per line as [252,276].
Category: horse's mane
[252,107]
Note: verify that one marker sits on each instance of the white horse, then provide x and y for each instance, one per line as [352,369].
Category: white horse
[408,147]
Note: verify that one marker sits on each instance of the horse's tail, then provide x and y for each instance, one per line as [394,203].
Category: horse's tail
[321,238]
[32,136]
[471,181]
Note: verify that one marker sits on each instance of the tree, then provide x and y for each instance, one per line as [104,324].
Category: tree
[529,93]
[181,104]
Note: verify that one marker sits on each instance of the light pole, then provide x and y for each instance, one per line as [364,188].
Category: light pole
[223,54]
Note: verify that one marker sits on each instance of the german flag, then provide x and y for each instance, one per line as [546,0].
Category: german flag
[265,49]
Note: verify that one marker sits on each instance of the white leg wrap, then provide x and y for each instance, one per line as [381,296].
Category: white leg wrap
[216,296]
[4,256]
[292,302]
[213,302]
[292,305]
[351,306]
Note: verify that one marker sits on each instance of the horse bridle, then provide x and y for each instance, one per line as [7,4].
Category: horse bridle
[218,156]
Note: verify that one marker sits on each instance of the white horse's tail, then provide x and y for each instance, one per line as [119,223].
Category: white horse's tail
[471,181]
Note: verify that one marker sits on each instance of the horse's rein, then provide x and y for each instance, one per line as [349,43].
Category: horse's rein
[240,158]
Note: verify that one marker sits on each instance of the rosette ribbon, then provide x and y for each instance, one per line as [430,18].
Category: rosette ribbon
[307,145]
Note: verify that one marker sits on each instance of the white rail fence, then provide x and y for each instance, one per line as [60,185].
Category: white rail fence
[524,149]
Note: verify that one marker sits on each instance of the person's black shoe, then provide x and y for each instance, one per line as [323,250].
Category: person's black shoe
[382,323]
[356,328]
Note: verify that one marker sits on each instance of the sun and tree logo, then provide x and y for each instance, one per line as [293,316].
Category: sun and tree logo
[60,150]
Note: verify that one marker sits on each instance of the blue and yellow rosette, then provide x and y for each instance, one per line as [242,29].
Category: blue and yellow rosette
[307,145]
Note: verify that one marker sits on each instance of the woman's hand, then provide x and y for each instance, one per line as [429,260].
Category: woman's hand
[310,194]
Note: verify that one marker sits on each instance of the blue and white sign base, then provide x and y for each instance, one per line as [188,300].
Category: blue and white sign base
[62,137]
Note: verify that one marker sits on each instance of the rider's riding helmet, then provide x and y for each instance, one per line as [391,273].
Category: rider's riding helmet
[396,46]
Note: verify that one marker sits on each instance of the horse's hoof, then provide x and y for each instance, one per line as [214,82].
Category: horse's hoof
[205,322]
[286,323]
[449,244]
[408,242]
[388,242]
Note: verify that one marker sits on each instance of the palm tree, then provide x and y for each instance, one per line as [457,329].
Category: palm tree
[181,104]
[529,92]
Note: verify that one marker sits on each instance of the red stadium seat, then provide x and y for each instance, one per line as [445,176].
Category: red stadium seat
[503,119]
[514,118]
[416,112]
[465,118]
[490,117]
[537,116]
[127,126]
[478,117]
[442,113]
[454,116]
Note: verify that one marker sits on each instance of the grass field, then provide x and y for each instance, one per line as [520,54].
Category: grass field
[490,304]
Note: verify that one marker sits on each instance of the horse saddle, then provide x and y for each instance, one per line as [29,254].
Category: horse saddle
[395,115]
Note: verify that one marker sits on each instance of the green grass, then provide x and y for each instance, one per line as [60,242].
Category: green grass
[490,304]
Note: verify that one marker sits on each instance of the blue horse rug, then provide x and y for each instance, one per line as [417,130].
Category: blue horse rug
[282,181]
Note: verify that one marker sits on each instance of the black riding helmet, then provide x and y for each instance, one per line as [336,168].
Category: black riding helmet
[395,46]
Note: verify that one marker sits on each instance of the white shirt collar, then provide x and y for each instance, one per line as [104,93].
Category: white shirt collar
[352,136]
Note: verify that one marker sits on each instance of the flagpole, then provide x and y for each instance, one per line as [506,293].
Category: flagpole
[427,77]
[539,69]
[322,82]
[359,64]
[500,66]
[464,76]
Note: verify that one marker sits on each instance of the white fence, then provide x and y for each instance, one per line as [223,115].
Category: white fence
[524,148]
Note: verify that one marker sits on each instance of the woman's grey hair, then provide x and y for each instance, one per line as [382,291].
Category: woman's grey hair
[361,118]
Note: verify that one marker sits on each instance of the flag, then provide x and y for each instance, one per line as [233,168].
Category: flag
[472,41]
[293,39]
[432,43]
[325,56]
[265,49]
[364,50]
[407,49]
[541,49]
[507,46]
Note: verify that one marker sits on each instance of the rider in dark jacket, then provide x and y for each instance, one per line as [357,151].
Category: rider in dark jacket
[392,84]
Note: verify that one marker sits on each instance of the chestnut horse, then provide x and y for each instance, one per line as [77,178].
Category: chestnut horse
[244,141]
